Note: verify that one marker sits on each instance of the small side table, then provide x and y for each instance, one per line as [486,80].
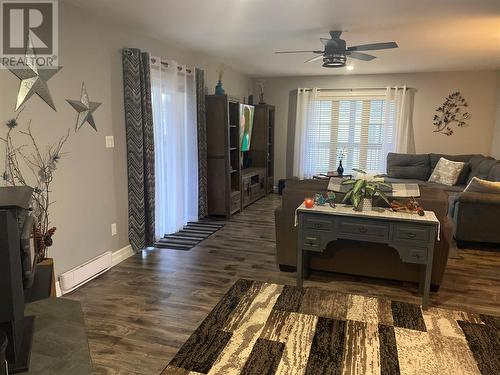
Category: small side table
[327,176]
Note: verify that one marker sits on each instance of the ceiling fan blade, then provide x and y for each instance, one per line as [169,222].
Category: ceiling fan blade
[335,34]
[299,52]
[315,58]
[373,46]
[360,56]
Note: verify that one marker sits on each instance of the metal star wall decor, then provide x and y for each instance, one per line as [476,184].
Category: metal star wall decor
[34,79]
[85,109]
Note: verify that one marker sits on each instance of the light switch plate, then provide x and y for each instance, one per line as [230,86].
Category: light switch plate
[113,229]
[110,141]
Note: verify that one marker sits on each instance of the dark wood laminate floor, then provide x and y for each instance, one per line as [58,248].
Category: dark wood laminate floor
[139,313]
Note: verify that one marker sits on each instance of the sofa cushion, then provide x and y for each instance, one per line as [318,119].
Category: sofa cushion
[446,172]
[494,174]
[408,166]
[482,169]
[445,188]
[477,185]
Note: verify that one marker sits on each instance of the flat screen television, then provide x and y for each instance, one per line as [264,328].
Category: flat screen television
[247,113]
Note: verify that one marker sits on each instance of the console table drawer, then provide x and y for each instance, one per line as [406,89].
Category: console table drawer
[412,254]
[311,242]
[364,230]
[403,232]
[319,223]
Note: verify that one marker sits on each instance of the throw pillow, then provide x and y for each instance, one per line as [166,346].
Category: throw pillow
[446,172]
[482,186]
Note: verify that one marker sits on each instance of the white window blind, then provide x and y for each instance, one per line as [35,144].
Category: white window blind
[354,123]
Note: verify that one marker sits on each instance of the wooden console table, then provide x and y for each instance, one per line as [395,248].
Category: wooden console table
[411,235]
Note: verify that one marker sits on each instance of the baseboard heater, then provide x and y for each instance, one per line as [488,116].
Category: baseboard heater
[82,274]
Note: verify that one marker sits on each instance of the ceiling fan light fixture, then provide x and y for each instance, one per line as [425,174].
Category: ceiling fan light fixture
[334,61]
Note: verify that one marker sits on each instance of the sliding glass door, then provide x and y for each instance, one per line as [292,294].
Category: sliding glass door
[176,145]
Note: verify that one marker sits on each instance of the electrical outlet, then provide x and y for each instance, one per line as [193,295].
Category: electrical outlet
[113,229]
[110,141]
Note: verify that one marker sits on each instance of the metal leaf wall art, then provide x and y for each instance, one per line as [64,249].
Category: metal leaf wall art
[452,112]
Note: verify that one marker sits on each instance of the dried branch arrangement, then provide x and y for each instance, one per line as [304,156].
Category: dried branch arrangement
[451,113]
[42,165]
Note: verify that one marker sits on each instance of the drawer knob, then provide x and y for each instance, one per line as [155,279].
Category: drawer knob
[318,225]
[363,229]
[411,235]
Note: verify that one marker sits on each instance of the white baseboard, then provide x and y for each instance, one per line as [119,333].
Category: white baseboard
[58,289]
[117,257]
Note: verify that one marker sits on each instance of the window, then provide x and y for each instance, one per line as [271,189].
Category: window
[355,125]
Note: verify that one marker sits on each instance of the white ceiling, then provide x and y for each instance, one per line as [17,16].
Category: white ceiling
[433,35]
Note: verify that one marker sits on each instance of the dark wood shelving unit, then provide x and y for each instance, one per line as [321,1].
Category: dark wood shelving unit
[254,185]
[262,146]
[223,155]
[231,188]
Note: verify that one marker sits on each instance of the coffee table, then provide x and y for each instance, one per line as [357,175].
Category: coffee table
[411,235]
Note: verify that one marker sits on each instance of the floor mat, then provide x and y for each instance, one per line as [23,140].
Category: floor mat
[191,235]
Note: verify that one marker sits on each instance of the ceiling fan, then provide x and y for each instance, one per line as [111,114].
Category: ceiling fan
[335,53]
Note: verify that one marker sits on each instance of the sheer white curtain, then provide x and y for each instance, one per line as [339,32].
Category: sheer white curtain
[361,126]
[401,119]
[301,164]
[176,145]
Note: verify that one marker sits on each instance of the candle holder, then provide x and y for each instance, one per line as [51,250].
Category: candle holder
[309,202]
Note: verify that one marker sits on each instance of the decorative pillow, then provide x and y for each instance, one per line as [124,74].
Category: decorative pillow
[446,172]
[482,186]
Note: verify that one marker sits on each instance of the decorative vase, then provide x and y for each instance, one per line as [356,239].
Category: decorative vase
[366,205]
[261,98]
[219,90]
[340,169]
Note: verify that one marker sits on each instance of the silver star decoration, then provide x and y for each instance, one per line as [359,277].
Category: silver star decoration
[85,108]
[34,79]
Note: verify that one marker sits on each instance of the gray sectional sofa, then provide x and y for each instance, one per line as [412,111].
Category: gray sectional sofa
[476,216]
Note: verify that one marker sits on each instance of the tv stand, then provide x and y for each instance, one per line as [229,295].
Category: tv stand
[254,185]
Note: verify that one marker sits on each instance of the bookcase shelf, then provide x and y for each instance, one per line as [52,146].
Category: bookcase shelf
[262,148]
[223,155]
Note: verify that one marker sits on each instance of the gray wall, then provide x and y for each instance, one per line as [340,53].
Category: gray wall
[90,187]
[478,87]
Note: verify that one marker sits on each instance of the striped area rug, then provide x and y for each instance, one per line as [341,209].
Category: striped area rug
[264,329]
[191,235]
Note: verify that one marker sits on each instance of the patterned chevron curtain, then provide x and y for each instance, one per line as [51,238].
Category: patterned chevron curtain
[202,144]
[140,148]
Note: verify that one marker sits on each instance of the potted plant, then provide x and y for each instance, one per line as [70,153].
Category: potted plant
[363,190]
[32,165]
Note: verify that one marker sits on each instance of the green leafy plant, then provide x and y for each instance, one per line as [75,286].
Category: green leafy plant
[362,188]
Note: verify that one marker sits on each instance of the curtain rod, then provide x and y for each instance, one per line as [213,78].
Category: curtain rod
[360,88]
[164,63]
